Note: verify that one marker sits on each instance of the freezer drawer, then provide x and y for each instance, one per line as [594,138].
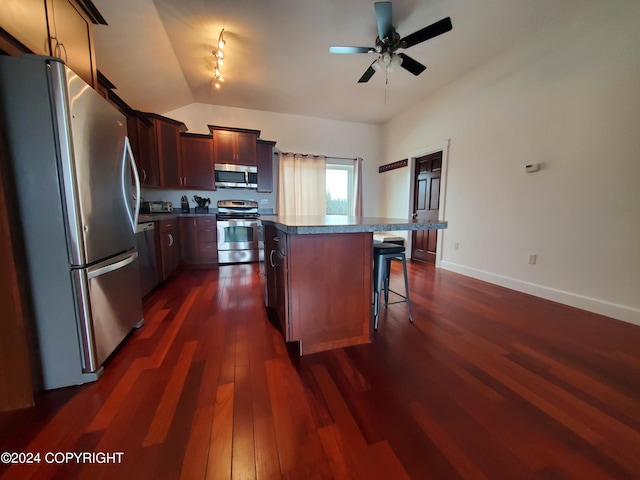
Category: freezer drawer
[115,307]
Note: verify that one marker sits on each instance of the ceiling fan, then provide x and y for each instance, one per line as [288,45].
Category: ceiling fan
[388,41]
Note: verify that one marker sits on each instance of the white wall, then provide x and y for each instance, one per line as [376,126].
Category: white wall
[293,133]
[568,98]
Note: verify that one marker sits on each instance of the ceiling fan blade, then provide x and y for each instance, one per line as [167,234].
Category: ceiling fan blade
[426,33]
[338,49]
[368,74]
[411,65]
[384,19]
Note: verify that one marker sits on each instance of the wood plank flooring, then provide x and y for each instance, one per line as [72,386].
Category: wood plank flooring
[486,383]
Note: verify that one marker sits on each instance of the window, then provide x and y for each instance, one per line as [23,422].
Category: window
[340,191]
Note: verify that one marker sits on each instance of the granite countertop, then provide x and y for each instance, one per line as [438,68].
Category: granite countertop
[345,224]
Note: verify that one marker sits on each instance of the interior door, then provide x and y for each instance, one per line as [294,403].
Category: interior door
[426,205]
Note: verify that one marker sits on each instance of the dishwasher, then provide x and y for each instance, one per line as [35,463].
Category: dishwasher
[146,244]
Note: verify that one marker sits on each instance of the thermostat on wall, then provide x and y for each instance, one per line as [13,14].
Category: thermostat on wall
[532,167]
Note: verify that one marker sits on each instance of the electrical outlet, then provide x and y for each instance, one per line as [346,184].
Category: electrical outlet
[532,258]
[456,246]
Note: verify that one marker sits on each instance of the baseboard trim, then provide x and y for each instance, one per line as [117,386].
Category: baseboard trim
[601,307]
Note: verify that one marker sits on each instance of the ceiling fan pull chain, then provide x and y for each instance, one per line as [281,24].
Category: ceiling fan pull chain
[386,82]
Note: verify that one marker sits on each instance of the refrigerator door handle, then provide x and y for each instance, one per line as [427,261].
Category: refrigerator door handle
[114,264]
[134,169]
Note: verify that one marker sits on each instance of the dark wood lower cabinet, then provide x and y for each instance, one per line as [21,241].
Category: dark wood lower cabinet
[322,286]
[16,356]
[198,239]
[168,254]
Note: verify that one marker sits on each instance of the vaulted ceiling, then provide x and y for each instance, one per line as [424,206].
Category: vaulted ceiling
[158,53]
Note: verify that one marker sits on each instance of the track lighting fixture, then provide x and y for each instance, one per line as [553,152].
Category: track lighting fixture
[218,56]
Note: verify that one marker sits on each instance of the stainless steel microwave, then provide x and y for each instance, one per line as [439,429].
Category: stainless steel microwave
[235,176]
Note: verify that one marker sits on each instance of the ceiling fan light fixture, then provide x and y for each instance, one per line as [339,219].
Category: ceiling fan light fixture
[395,61]
[389,40]
[387,61]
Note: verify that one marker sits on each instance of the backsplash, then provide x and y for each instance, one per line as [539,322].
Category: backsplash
[175,197]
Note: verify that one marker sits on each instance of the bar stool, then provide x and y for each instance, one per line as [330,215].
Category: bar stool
[383,253]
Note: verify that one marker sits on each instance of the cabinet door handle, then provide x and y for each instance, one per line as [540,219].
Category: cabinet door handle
[144,175]
[170,240]
[273,265]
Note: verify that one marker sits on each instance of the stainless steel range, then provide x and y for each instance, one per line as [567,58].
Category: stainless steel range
[237,231]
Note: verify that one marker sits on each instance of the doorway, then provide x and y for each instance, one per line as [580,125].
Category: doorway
[426,205]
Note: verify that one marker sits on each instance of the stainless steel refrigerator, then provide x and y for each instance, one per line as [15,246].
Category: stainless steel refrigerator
[78,199]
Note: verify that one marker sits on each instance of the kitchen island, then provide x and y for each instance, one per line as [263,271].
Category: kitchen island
[319,276]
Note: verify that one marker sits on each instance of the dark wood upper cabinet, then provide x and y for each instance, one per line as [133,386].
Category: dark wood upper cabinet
[167,150]
[70,38]
[197,161]
[237,146]
[26,22]
[265,166]
[168,145]
[246,144]
[60,28]
[224,148]
[143,144]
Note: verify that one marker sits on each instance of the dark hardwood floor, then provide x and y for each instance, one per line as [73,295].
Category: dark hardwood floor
[486,384]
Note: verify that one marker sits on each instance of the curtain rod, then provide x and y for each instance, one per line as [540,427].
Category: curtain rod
[328,156]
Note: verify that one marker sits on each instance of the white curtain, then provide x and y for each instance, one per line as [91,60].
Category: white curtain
[357,191]
[302,184]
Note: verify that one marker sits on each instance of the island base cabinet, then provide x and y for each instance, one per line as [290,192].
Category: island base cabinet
[315,268]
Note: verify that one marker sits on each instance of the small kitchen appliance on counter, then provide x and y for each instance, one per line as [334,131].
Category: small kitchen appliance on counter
[156,207]
[203,204]
[184,204]
[237,231]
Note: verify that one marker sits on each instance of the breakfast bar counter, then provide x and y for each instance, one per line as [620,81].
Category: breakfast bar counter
[322,224]
[319,276]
